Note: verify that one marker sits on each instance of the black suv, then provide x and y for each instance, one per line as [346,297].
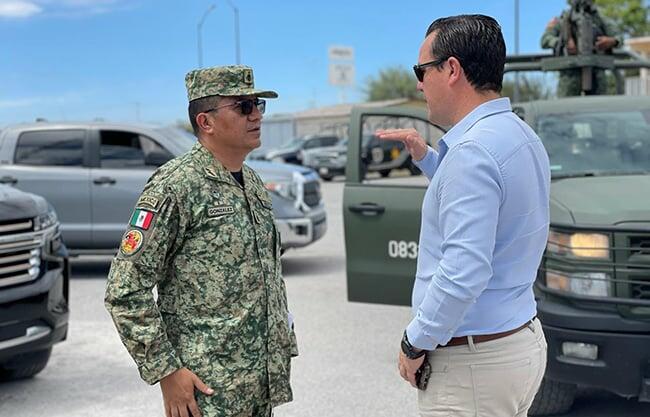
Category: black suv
[34,282]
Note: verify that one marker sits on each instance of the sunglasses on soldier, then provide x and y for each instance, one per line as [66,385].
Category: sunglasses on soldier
[419,69]
[245,106]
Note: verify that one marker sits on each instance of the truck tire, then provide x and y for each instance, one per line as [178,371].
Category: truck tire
[25,365]
[553,397]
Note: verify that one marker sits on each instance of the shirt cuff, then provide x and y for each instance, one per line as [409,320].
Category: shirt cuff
[426,164]
[418,339]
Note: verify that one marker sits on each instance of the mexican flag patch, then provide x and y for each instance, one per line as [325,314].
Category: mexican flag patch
[141,218]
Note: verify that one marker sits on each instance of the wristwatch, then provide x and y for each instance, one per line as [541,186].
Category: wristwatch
[409,350]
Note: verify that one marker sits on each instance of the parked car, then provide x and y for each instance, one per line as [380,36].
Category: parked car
[593,283]
[376,156]
[292,152]
[328,161]
[34,282]
[93,174]
[385,156]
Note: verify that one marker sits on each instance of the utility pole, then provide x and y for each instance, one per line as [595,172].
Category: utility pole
[198,30]
[516,89]
[236,12]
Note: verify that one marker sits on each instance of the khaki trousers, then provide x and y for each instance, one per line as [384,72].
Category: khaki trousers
[498,378]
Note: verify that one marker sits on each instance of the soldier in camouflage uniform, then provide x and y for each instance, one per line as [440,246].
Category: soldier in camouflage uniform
[605,39]
[218,337]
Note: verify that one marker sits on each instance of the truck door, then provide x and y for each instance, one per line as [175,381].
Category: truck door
[125,161]
[382,215]
[54,165]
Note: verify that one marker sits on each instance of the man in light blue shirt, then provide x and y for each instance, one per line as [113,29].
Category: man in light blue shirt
[485,219]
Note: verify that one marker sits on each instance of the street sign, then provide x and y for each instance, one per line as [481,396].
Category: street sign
[341,75]
[341,53]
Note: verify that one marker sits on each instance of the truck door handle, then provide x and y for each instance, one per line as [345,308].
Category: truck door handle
[104,180]
[368,209]
[8,180]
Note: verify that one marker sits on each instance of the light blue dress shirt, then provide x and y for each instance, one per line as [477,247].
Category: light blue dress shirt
[485,219]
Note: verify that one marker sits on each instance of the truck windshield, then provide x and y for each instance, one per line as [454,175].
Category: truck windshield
[598,143]
[179,136]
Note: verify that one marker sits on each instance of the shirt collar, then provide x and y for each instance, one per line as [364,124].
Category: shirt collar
[213,169]
[489,108]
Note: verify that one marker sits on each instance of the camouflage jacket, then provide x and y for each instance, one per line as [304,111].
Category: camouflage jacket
[211,248]
[602,25]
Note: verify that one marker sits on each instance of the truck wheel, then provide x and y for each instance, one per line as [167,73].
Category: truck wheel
[384,173]
[553,397]
[413,169]
[25,365]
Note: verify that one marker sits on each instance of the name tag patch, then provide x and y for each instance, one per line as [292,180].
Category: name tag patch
[220,211]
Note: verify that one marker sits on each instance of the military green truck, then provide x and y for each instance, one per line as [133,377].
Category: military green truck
[593,284]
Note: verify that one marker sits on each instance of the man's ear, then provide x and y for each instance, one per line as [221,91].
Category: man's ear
[455,70]
[204,122]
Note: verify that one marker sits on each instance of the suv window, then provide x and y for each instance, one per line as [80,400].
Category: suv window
[50,147]
[120,149]
[329,141]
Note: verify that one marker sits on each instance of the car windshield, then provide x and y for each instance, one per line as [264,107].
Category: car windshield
[180,136]
[294,143]
[598,143]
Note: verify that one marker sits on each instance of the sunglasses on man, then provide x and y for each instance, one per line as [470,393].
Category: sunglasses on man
[245,106]
[419,69]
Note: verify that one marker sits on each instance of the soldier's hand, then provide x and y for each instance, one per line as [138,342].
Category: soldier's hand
[571,47]
[605,43]
[412,140]
[178,393]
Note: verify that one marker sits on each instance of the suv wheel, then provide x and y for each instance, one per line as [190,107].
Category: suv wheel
[553,397]
[25,365]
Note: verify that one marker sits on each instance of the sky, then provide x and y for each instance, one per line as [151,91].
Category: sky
[125,60]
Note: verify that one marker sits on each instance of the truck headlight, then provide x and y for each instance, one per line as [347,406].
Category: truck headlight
[594,284]
[284,189]
[579,245]
[45,220]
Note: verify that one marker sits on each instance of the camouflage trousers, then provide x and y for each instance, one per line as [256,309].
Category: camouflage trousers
[570,83]
[264,410]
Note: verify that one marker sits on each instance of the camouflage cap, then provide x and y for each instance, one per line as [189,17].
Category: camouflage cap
[231,80]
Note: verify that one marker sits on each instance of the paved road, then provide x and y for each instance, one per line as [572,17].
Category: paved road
[346,367]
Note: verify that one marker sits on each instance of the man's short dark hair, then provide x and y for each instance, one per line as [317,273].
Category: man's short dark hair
[199,106]
[477,42]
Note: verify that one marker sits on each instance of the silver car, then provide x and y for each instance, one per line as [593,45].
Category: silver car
[93,173]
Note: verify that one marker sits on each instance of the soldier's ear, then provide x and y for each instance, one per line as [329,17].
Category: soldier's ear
[204,122]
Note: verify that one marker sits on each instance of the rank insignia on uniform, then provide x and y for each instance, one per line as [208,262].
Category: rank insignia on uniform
[141,218]
[131,242]
[248,76]
[220,211]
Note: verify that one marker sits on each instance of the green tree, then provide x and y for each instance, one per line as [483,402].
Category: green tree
[529,89]
[629,16]
[393,82]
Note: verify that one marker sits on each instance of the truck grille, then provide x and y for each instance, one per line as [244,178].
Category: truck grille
[641,291]
[14,227]
[20,253]
[640,245]
[312,194]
